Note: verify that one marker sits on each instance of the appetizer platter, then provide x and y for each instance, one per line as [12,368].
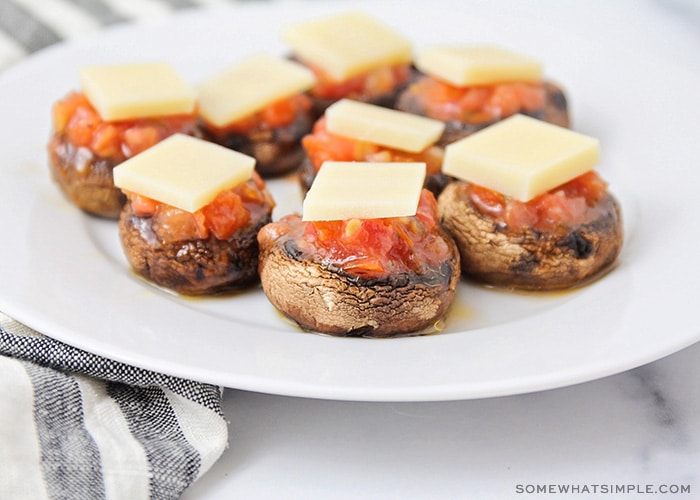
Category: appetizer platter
[65,272]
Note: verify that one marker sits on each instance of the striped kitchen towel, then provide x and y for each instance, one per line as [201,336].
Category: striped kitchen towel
[27,26]
[74,425]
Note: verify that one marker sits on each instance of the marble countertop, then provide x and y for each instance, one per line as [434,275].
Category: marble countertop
[639,430]
[631,435]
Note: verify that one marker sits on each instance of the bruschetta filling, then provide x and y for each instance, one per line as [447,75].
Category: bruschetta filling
[280,113]
[368,247]
[477,104]
[231,210]
[77,120]
[569,204]
[374,83]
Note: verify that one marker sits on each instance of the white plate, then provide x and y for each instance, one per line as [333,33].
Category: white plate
[63,273]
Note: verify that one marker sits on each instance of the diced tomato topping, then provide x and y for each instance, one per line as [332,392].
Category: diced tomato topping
[327,88]
[259,183]
[565,204]
[518,215]
[557,208]
[172,224]
[81,126]
[589,186]
[283,112]
[487,201]
[231,210]
[443,101]
[65,108]
[369,246]
[142,206]
[140,137]
[373,83]
[322,146]
[105,140]
[225,215]
[427,211]
[77,119]
[371,233]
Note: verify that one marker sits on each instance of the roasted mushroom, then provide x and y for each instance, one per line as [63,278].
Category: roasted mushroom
[192,214]
[353,55]
[84,178]
[259,107]
[120,111]
[84,149]
[212,251]
[507,244]
[277,148]
[362,278]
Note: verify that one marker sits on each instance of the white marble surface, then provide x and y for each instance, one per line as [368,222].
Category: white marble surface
[639,430]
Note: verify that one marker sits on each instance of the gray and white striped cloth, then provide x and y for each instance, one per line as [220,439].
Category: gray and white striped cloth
[27,26]
[74,425]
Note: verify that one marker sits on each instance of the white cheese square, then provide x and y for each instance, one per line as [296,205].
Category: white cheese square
[249,86]
[364,190]
[382,126]
[348,44]
[465,65]
[183,171]
[521,157]
[138,90]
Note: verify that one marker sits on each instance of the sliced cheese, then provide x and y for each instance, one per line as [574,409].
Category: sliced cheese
[183,171]
[478,65]
[348,44]
[383,126]
[521,157]
[364,190]
[249,86]
[139,90]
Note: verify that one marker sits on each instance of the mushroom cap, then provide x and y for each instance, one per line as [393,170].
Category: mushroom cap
[531,259]
[192,267]
[331,301]
[85,179]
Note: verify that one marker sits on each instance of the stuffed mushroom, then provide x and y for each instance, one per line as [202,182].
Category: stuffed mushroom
[470,88]
[272,137]
[527,208]
[354,56]
[361,278]
[99,127]
[259,107]
[211,251]
[192,216]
